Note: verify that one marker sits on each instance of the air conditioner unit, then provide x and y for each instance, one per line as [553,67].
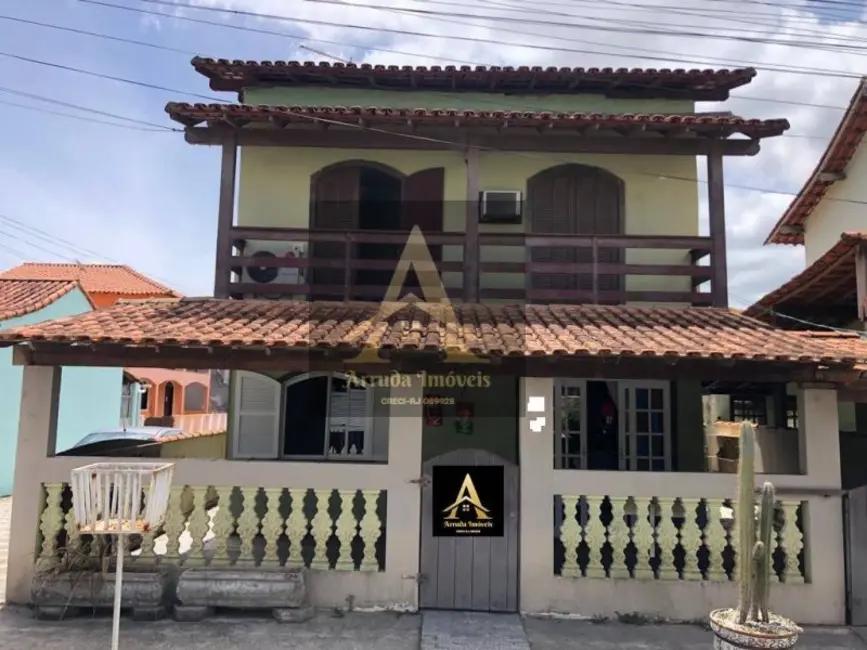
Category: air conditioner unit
[273,275]
[500,206]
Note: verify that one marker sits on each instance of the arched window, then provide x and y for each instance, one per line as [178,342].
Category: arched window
[327,415]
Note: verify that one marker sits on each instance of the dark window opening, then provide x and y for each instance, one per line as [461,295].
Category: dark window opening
[791,411]
[750,409]
[379,209]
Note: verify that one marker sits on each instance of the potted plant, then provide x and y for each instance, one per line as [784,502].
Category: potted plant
[751,624]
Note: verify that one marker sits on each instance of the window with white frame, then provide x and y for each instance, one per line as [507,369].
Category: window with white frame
[326,415]
[311,416]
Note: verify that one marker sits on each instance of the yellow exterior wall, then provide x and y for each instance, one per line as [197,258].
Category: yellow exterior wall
[274,191]
[200,447]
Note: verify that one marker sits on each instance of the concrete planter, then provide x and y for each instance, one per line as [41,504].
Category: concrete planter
[200,591]
[63,595]
[781,634]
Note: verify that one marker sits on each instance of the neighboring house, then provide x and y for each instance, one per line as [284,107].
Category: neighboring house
[90,397]
[105,284]
[147,392]
[559,209]
[827,218]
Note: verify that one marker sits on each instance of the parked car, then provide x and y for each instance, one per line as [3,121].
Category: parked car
[130,442]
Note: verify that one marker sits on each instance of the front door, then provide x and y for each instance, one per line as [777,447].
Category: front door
[645,426]
[470,572]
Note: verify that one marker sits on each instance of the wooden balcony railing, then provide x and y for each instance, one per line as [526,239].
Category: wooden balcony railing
[358,265]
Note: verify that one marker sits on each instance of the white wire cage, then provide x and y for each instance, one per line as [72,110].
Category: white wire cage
[120,498]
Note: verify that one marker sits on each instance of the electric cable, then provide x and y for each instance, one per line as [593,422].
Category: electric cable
[653,54]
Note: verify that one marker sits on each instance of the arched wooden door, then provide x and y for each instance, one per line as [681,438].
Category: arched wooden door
[337,195]
[575,199]
[470,572]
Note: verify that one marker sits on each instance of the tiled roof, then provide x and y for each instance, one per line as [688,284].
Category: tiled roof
[22,297]
[698,85]
[241,114]
[841,148]
[519,330]
[845,343]
[94,278]
[826,287]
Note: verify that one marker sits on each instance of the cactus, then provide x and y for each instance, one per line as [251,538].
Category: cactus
[754,557]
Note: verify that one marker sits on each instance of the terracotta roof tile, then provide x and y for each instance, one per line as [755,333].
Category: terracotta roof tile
[240,114]
[827,284]
[22,297]
[511,330]
[850,344]
[94,278]
[841,148]
[699,85]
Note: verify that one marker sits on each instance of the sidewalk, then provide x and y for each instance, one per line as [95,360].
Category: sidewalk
[361,631]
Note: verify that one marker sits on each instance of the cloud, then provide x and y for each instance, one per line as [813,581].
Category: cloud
[150,199]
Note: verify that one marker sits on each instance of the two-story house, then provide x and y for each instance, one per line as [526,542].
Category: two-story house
[527,436]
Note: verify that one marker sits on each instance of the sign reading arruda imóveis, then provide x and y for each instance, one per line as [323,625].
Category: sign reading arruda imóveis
[468,501]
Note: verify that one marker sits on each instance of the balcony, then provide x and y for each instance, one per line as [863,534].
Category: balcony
[359,265]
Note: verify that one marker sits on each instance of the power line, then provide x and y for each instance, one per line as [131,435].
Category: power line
[642,27]
[40,109]
[402,53]
[13,251]
[38,247]
[32,231]
[729,15]
[216,99]
[425,138]
[100,75]
[818,71]
[652,56]
[84,32]
[87,109]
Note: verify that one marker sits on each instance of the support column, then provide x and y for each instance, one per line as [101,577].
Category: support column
[819,441]
[37,435]
[717,218]
[226,217]
[472,250]
[536,460]
[403,511]
[819,436]
[861,281]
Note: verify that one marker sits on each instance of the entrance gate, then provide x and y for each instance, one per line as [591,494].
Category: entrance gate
[470,573]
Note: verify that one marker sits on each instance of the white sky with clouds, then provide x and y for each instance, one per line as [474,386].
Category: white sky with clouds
[150,200]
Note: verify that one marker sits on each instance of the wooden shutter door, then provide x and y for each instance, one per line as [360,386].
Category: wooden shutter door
[580,200]
[422,206]
[552,195]
[608,195]
[335,207]
[256,421]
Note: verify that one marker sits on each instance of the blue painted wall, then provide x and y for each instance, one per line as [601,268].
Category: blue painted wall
[89,397]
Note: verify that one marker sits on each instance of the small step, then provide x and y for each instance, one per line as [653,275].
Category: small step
[476,630]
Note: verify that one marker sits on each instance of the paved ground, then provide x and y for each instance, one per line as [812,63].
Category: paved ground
[357,631]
